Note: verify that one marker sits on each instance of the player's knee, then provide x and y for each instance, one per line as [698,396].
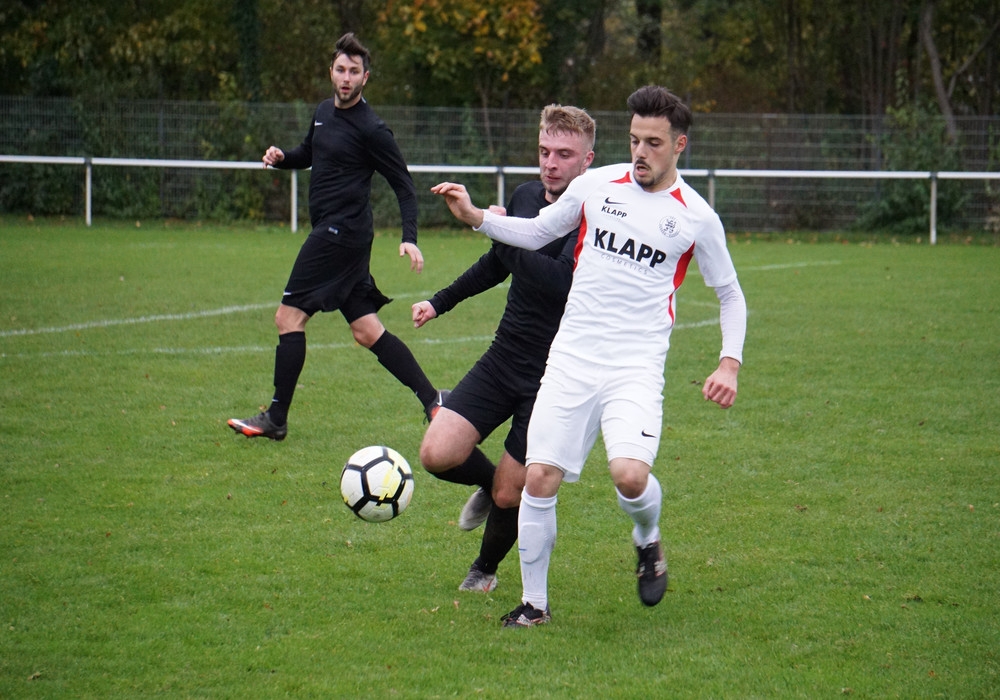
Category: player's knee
[543,480]
[431,457]
[367,330]
[289,319]
[631,483]
[506,496]
[437,455]
[508,482]
[363,337]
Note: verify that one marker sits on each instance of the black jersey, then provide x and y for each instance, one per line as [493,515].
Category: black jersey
[537,294]
[344,148]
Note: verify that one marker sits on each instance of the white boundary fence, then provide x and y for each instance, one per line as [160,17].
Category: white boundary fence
[501,172]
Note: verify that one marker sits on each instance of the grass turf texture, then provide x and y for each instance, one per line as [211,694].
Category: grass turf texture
[835,533]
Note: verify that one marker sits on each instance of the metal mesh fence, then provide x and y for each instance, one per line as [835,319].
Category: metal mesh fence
[446,136]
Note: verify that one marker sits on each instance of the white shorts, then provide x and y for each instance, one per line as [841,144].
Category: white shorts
[576,399]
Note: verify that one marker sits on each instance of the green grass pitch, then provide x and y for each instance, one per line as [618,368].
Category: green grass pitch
[836,533]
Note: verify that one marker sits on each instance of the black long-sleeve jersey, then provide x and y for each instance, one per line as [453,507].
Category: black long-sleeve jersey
[344,148]
[537,295]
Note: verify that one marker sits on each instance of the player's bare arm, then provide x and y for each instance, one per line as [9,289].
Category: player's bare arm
[423,311]
[416,257]
[720,386]
[273,156]
[458,201]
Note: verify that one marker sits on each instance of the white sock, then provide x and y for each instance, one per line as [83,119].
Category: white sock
[536,536]
[645,512]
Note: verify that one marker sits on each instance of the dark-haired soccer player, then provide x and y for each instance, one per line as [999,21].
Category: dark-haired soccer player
[345,145]
[640,226]
[503,383]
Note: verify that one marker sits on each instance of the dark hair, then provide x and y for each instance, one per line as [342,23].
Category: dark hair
[656,101]
[350,46]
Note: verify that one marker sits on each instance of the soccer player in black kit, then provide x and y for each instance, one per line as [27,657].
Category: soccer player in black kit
[503,383]
[346,144]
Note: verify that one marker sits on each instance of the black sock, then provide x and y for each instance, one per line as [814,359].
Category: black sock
[289,358]
[499,537]
[477,470]
[393,354]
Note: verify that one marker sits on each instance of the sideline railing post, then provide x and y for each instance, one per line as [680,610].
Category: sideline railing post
[933,210]
[711,188]
[295,202]
[501,186]
[88,191]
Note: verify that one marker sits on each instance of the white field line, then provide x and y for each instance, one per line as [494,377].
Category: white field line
[225,310]
[785,266]
[226,350]
[108,323]
[270,348]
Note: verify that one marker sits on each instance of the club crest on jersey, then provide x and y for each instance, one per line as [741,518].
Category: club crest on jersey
[668,226]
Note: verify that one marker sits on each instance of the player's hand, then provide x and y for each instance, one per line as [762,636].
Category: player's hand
[416,257]
[458,200]
[498,210]
[273,156]
[720,386]
[423,311]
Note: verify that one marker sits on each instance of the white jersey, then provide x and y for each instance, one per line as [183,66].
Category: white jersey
[632,254]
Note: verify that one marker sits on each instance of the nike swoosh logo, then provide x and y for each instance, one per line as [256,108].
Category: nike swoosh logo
[645,434]
[607,200]
[317,123]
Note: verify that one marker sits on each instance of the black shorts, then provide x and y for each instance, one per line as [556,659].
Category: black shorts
[490,393]
[328,277]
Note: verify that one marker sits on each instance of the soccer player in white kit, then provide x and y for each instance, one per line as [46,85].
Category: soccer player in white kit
[639,225]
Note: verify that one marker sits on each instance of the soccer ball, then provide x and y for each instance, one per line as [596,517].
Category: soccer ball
[377,483]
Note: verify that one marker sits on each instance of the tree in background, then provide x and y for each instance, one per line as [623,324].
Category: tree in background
[246,24]
[648,39]
[464,52]
[85,48]
[791,56]
[573,52]
[945,94]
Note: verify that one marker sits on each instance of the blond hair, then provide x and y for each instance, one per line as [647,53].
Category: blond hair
[569,120]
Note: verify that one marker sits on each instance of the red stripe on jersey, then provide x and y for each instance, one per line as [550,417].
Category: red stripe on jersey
[679,197]
[682,267]
[626,178]
[680,272]
[579,238]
